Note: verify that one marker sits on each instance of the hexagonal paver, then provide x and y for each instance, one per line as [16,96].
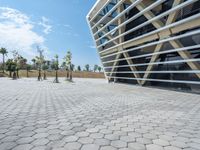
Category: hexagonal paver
[108,148]
[135,134]
[40,135]
[9,139]
[161,142]
[40,142]
[178,144]
[172,148]
[118,144]
[39,130]
[136,146]
[127,138]
[85,140]
[150,136]
[92,130]
[102,142]
[54,131]
[82,134]
[194,145]
[111,137]
[39,148]
[25,140]
[23,147]
[96,135]
[144,141]
[105,131]
[154,147]
[73,146]
[26,134]
[55,137]
[90,147]
[7,145]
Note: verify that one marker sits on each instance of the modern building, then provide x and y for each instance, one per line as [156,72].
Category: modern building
[149,42]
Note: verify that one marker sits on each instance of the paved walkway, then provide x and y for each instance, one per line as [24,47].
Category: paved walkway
[93,115]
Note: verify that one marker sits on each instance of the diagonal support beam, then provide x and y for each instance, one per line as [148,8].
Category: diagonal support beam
[153,59]
[176,44]
[126,55]
[171,18]
[186,55]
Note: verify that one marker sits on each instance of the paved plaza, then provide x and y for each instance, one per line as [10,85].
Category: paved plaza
[90,114]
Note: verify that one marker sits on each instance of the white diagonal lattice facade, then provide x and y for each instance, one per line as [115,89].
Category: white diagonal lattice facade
[148,42]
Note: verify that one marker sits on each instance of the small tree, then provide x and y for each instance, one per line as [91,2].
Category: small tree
[44,68]
[39,61]
[72,67]
[48,63]
[13,69]
[99,68]
[69,67]
[34,62]
[8,67]
[79,68]
[17,60]
[4,52]
[87,67]
[95,68]
[56,68]
[63,66]
[28,68]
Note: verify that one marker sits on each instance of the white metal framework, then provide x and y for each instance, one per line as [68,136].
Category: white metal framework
[148,42]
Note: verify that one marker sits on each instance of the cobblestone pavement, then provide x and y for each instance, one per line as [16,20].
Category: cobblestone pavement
[90,114]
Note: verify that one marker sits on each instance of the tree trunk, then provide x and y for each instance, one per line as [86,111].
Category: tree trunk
[17,73]
[45,77]
[10,74]
[56,79]
[14,76]
[67,74]
[70,75]
[3,62]
[27,73]
[39,75]
[56,75]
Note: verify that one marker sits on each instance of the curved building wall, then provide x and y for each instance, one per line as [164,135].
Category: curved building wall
[149,42]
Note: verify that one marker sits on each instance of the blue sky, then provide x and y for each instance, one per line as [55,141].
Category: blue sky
[55,25]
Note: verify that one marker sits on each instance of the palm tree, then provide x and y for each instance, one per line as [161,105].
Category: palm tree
[13,69]
[9,66]
[87,67]
[17,59]
[44,68]
[39,64]
[68,59]
[79,68]
[99,68]
[34,62]
[63,66]
[56,68]
[48,63]
[4,52]
[28,68]
[95,68]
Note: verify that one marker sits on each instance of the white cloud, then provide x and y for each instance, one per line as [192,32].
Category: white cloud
[16,32]
[92,46]
[67,26]
[45,24]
